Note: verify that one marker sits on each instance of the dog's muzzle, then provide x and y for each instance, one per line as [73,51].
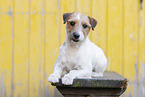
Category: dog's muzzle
[76,37]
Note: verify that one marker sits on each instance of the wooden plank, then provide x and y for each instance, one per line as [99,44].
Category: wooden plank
[114,35]
[85,7]
[99,35]
[52,41]
[21,48]
[112,84]
[65,7]
[130,45]
[6,5]
[37,51]
[141,55]
[6,48]
[110,79]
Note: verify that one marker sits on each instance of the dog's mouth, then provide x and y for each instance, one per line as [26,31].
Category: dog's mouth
[75,40]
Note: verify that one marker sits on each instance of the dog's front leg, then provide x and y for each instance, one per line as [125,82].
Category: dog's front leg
[58,68]
[68,78]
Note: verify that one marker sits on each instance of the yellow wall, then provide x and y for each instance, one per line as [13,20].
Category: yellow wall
[31,32]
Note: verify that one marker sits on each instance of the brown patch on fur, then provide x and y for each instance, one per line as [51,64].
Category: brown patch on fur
[66,16]
[93,22]
[72,28]
[86,22]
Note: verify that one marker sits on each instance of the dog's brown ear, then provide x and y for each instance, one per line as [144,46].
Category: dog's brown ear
[93,22]
[65,17]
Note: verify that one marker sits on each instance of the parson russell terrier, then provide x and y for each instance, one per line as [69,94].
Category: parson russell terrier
[78,57]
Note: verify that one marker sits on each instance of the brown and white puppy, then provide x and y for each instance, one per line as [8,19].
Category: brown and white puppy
[78,56]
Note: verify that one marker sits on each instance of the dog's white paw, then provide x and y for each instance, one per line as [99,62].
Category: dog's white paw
[53,78]
[67,80]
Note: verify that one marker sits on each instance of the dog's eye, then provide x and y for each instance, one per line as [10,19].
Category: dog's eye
[85,26]
[72,23]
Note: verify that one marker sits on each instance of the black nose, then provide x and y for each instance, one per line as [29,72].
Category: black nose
[76,35]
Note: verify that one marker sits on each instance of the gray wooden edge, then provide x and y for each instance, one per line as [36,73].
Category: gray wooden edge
[109,80]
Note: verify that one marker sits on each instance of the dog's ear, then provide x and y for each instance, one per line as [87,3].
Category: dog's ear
[93,22]
[65,17]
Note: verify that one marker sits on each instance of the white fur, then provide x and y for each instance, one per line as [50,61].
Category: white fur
[78,59]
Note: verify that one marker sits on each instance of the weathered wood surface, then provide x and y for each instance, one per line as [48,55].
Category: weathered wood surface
[111,84]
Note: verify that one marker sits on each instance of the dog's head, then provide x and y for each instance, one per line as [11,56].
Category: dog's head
[78,26]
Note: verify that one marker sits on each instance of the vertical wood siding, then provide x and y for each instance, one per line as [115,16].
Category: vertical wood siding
[31,32]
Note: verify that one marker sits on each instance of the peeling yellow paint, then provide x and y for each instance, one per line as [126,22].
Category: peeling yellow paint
[31,32]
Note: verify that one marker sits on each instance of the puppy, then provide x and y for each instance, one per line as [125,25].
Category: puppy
[78,56]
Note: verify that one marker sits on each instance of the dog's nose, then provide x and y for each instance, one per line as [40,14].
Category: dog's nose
[76,35]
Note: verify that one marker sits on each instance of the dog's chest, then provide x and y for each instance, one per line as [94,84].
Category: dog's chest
[72,57]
